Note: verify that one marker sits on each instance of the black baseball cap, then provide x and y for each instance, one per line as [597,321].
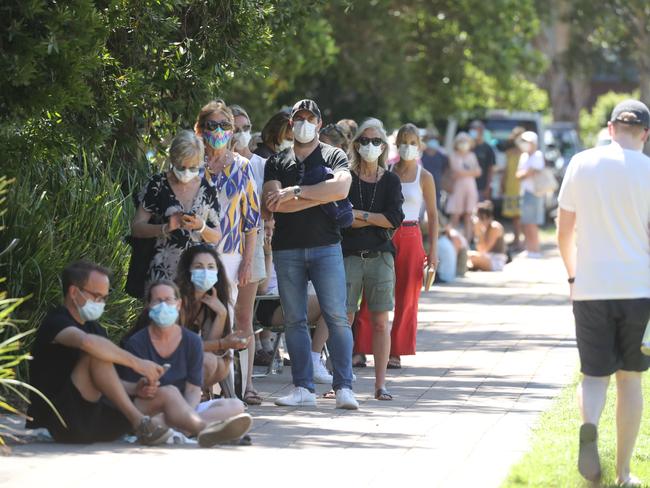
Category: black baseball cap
[308,105]
[639,113]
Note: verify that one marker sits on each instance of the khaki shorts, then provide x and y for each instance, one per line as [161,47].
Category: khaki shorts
[373,278]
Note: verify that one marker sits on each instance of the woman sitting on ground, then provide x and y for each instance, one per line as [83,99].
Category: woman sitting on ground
[165,342]
[490,254]
[204,290]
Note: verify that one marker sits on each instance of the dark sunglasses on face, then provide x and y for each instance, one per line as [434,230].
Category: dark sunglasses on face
[375,141]
[213,125]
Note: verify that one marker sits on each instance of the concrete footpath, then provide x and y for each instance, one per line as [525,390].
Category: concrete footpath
[494,350]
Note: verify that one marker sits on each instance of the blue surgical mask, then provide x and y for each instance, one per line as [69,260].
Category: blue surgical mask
[204,279]
[433,144]
[163,315]
[473,133]
[91,310]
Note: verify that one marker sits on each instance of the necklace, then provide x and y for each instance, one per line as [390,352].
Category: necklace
[374,190]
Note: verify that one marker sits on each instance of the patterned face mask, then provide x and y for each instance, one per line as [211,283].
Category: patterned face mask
[217,138]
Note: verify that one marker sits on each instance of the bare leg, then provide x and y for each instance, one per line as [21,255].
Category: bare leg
[467,227]
[629,406]
[592,393]
[94,378]
[215,369]
[222,409]
[479,261]
[244,320]
[531,234]
[454,220]
[321,333]
[177,412]
[516,228]
[380,346]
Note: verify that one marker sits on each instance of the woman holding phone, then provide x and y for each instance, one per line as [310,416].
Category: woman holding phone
[186,204]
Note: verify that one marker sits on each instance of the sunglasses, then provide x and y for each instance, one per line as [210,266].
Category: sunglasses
[213,125]
[375,141]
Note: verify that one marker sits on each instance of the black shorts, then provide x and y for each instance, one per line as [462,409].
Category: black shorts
[265,311]
[609,334]
[87,421]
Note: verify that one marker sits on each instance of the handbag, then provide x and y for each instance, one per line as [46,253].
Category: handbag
[142,251]
[544,182]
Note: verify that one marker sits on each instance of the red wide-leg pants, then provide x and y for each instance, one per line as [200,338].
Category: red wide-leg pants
[409,270]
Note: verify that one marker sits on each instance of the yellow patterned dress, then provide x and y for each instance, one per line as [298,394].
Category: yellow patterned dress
[511,188]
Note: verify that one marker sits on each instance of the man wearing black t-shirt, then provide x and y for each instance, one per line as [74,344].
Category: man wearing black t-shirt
[307,246]
[73,367]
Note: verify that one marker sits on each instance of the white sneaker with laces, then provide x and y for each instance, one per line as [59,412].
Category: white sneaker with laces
[298,397]
[345,399]
[321,375]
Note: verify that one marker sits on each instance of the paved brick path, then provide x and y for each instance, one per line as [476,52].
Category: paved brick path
[495,349]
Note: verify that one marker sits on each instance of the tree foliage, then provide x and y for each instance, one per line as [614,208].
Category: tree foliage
[414,60]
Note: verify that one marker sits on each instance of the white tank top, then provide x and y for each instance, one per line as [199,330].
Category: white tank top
[413,197]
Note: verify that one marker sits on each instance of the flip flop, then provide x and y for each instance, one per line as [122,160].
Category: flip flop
[588,460]
[251,397]
[383,395]
[394,364]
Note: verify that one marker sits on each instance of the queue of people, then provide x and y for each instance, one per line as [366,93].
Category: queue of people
[315,214]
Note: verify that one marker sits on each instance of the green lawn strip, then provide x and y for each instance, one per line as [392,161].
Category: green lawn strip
[552,459]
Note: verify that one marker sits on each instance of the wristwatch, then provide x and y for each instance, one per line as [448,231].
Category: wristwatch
[365,216]
[296,191]
[571,280]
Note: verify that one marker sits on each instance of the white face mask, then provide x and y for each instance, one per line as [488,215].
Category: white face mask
[408,152]
[286,144]
[304,131]
[185,176]
[242,139]
[370,152]
[91,310]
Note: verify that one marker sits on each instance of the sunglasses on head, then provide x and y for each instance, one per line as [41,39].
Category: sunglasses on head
[375,141]
[213,125]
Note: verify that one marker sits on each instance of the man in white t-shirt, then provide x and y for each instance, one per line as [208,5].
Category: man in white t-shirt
[605,202]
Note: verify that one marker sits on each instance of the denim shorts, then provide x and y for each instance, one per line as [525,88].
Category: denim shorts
[372,277]
[532,209]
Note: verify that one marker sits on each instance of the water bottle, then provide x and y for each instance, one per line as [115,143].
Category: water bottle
[277,361]
[645,342]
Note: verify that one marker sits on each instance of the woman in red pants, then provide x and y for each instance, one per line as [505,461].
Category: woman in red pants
[418,189]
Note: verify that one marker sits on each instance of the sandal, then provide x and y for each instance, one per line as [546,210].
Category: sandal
[382,394]
[329,394]
[251,397]
[359,361]
[394,363]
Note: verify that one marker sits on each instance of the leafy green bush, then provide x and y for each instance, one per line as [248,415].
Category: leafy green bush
[592,122]
[11,352]
[58,215]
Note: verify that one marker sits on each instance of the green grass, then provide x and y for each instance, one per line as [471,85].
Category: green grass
[553,456]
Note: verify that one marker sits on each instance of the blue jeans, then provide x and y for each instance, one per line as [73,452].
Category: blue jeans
[324,267]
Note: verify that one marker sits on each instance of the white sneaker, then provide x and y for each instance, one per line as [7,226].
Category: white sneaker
[321,375]
[299,396]
[345,399]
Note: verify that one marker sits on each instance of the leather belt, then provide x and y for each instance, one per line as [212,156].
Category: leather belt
[366,254]
[410,223]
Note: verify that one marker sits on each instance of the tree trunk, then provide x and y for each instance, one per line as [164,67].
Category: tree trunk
[568,92]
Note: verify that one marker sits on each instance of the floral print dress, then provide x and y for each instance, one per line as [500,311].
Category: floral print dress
[158,198]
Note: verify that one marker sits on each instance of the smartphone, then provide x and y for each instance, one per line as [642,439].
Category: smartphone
[189,214]
[165,366]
